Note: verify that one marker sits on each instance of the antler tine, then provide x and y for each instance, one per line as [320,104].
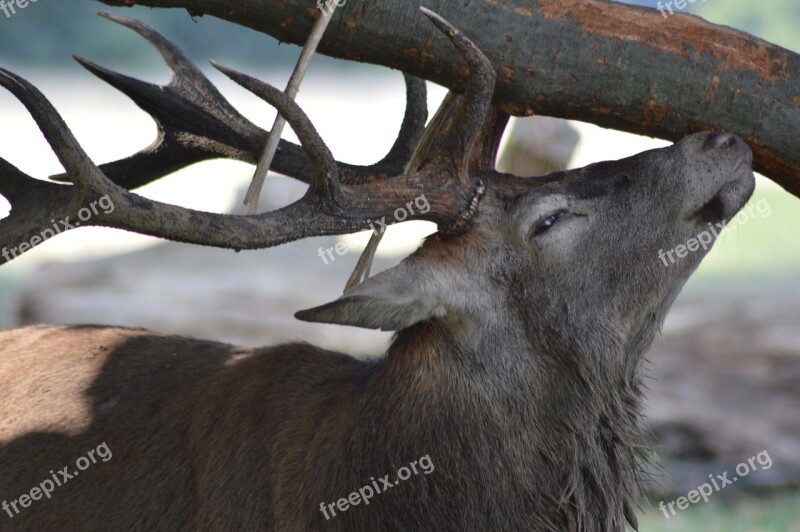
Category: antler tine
[327,172]
[84,174]
[14,184]
[411,130]
[487,145]
[196,123]
[483,159]
[35,205]
[187,79]
[38,207]
[180,141]
[462,126]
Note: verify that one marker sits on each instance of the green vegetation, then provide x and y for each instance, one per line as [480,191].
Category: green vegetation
[775,21]
[765,245]
[780,513]
[46,34]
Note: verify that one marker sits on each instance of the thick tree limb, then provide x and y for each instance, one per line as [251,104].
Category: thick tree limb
[617,66]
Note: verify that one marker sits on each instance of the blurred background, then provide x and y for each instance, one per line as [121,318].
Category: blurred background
[726,373]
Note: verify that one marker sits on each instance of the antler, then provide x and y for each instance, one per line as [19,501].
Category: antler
[196,123]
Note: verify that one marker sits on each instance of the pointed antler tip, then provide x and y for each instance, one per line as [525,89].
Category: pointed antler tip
[465,47]
[235,75]
[219,66]
[115,17]
[437,19]
[111,77]
[222,68]
[82,61]
[427,12]
[92,67]
[8,79]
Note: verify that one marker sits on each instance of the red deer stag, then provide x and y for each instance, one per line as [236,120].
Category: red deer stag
[509,398]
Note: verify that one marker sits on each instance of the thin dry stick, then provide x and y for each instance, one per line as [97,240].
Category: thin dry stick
[271,146]
[364,264]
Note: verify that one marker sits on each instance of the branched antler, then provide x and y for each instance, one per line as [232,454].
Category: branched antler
[196,123]
[444,164]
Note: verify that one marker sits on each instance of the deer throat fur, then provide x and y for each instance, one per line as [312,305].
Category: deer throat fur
[542,452]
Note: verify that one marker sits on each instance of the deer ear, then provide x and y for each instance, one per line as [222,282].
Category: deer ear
[390,301]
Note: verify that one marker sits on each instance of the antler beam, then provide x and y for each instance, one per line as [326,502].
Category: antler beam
[435,163]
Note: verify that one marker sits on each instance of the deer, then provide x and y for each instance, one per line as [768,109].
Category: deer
[509,397]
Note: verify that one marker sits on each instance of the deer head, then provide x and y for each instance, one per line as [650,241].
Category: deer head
[565,246]
[559,279]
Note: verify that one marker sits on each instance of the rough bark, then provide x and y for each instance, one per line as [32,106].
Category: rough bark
[614,65]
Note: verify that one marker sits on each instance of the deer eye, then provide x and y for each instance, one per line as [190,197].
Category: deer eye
[547,222]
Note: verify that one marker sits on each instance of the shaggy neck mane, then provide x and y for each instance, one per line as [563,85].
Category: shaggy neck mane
[568,435]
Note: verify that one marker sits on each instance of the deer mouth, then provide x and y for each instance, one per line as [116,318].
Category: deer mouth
[730,197]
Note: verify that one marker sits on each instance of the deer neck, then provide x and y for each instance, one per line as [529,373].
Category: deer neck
[560,424]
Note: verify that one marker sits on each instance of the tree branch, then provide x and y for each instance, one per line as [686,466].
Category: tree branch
[614,65]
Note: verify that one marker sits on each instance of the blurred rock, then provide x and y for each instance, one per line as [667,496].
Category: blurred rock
[538,145]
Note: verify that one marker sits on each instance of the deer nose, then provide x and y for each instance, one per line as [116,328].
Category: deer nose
[718,141]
